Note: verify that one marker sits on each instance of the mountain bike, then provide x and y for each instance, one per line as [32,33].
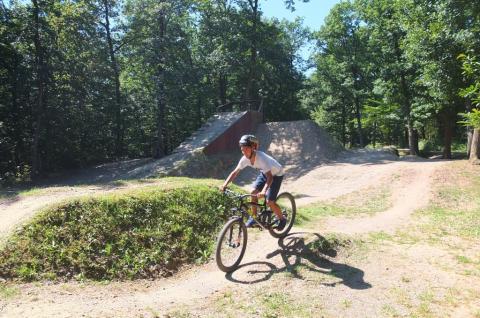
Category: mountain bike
[232,239]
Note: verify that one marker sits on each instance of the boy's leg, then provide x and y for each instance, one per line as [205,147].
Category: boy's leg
[272,197]
[256,188]
[254,193]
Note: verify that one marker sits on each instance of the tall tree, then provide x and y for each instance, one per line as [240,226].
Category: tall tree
[436,36]
[471,68]
[109,8]
[342,67]
[387,34]
[39,28]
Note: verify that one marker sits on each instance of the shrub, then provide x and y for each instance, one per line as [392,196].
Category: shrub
[146,233]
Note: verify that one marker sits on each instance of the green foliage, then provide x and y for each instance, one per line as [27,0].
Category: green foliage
[398,57]
[471,119]
[134,86]
[340,85]
[145,233]
[383,120]
[471,69]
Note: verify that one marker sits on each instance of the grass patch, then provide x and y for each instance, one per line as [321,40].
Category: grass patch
[454,211]
[451,219]
[389,311]
[330,244]
[147,232]
[358,203]
[265,302]
[177,313]
[32,192]
[7,291]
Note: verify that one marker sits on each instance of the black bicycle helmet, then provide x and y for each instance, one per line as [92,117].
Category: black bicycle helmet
[248,140]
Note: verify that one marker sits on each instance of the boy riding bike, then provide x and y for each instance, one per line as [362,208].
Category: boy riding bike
[268,182]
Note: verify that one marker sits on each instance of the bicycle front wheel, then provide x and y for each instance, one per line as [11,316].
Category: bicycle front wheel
[286,202]
[231,245]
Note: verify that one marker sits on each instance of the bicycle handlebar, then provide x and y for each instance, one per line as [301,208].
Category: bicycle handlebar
[236,195]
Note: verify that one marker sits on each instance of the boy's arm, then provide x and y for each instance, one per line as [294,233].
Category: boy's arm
[230,178]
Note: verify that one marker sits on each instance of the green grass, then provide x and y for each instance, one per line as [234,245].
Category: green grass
[451,223]
[7,291]
[266,302]
[146,232]
[353,204]
[452,216]
[389,311]
[454,212]
[176,313]
[6,194]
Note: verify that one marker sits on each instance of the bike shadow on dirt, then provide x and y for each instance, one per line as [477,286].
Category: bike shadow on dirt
[303,254]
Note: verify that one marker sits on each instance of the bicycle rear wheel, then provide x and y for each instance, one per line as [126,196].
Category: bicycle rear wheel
[286,202]
[231,245]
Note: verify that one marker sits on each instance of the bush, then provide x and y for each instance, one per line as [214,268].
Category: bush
[141,234]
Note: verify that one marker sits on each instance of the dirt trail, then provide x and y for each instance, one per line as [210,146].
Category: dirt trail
[16,210]
[199,286]
[412,192]
[315,172]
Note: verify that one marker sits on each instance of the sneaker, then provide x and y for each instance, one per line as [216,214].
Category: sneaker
[281,224]
[250,222]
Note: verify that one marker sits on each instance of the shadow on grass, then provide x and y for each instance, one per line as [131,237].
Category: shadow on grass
[314,256]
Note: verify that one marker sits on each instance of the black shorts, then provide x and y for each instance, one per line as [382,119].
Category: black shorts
[272,192]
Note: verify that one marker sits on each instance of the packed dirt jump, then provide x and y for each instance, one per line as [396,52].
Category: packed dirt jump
[317,169]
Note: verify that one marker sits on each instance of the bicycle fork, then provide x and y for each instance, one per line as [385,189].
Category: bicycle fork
[232,241]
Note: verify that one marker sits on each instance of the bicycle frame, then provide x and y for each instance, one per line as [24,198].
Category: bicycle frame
[243,207]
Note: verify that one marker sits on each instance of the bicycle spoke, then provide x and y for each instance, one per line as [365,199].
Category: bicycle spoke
[231,245]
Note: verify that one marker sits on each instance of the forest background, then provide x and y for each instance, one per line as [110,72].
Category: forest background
[92,81]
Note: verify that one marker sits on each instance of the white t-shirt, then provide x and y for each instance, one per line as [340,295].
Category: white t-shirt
[263,162]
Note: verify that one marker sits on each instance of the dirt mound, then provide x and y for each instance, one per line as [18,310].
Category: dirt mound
[299,146]
[297,142]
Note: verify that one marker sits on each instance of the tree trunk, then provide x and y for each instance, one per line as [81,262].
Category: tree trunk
[406,103]
[41,102]
[351,126]
[359,122]
[118,133]
[18,149]
[475,150]
[222,88]
[447,135]
[250,92]
[468,107]
[469,141]
[412,138]
[344,128]
[159,150]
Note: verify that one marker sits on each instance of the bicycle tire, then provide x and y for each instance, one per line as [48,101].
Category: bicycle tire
[286,201]
[232,227]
